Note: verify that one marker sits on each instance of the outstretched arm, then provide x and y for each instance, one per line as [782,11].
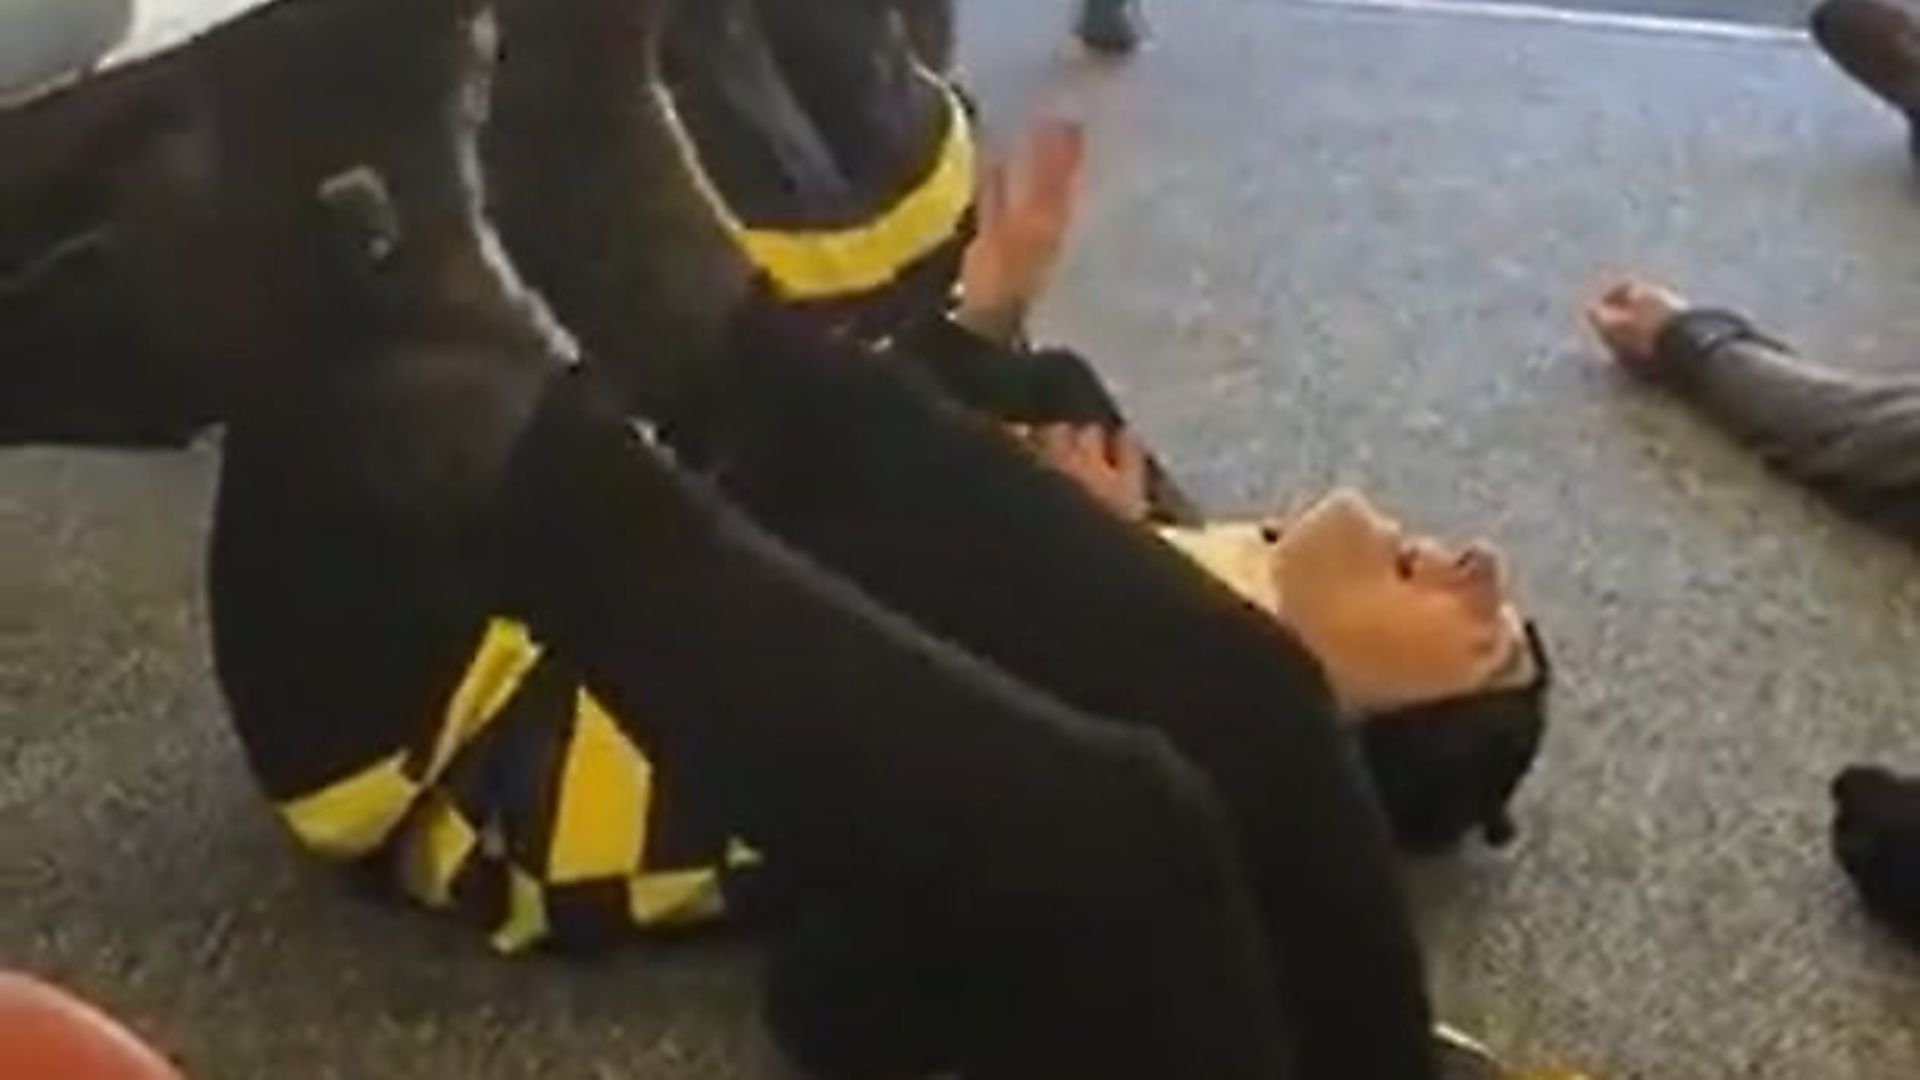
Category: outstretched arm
[1854,439]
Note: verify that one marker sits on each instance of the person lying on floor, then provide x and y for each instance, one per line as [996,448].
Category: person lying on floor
[1102,812]
[1443,681]
[1401,622]
[1855,440]
[749,94]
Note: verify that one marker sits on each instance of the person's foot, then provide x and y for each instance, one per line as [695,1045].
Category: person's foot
[1111,27]
[1877,42]
[1876,838]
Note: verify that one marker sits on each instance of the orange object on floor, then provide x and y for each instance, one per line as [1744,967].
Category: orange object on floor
[47,1032]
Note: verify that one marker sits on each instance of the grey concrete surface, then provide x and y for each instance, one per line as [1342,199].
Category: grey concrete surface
[1320,245]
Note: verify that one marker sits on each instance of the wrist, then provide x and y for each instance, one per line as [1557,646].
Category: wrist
[999,321]
[1692,336]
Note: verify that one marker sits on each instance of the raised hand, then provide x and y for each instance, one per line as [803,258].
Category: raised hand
[1025,211]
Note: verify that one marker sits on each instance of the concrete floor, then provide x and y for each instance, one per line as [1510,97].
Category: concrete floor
[1321,245]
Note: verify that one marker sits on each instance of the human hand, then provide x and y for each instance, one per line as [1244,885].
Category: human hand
[1629,316]
[1109,463]
[1024,213]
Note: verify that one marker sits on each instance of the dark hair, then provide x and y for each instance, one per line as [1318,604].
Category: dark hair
[1442,770]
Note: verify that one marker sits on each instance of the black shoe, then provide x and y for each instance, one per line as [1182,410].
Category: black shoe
[1878,43]
[1876,838]
[1112,27]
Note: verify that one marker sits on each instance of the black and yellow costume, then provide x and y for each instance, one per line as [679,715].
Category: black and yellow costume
[476,771]
[1085,814]
[399,724]
[404,725]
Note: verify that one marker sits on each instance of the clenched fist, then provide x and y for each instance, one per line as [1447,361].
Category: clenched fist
[1629,315]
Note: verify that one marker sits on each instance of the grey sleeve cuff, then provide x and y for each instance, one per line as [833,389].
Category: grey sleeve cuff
[1693,336]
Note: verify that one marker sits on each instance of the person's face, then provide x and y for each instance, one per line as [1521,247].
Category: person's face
[1395,619]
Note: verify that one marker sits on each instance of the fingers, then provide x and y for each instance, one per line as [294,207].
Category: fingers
[1056,157]
[1628,314]
[1613,300]
[1604,316]
[1109,464]
[991,203]
[1056,443]
[1041,181]
[1129,457]
[1621,292]
[1629,293]
[1093,445]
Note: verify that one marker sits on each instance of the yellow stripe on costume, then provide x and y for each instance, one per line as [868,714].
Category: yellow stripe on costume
[354,816]
[606,787]
[821,264]
[680,898]
[526,921]
[437,847]
[505,655]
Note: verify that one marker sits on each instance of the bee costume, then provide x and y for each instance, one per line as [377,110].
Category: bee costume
[400,724]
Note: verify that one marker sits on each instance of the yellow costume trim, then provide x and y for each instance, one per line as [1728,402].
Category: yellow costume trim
[820,264]
[598,832]
[526,921]
[505,655]
[600,827]
[437,848]
[681,898]
[353,817]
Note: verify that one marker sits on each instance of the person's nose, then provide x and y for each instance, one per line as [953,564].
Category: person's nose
[1481,577]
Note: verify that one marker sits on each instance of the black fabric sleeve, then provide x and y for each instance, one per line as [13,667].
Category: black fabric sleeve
[1020,385]
[1852,438]
[1009,383]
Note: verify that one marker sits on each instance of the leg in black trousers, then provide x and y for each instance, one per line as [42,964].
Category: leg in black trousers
[935,514]
[1077,879]
[1114,899]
